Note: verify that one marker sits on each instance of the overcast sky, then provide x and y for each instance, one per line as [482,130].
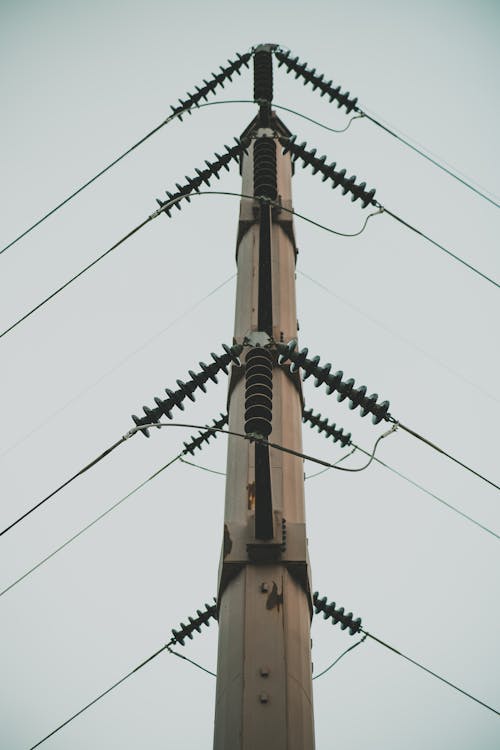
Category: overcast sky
[82,81]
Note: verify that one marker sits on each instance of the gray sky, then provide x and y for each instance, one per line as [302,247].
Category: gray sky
[82,82]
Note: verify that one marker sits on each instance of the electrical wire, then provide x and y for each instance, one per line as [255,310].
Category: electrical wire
[440,247]
[432,494]
[157,213]
[203,468]
[223,473]
[174,116]
[358,643]
[65,484]
[118,365]
[89,525]
[426,156]
[430,671]
[77,276]
[448,455]
[251,438]
[167,647]
[195,663]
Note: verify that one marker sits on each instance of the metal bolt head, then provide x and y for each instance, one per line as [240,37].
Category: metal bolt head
[264,698]
[264,587]
[264,671]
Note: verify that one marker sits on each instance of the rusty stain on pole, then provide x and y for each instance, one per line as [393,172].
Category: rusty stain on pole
[264,681]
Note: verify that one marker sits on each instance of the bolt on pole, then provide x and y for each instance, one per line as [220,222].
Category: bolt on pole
[264,680]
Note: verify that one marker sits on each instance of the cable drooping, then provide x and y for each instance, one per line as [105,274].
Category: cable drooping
[331,431]
[253,438]
[292,65]
[186,390]
[357,396]
[349,185]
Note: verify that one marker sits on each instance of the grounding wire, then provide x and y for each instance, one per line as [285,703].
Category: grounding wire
[157,213]
[174,116]
[250,437]
[118,365]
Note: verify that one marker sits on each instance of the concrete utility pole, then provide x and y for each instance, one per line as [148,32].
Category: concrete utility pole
[264,681]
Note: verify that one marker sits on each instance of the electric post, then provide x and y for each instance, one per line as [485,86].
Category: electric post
[264,680]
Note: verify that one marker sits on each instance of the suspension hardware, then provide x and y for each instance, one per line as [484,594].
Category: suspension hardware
[195,623]
[330,430]
[175,398]
[197,441]
[218,79]
[300,69]
[329,172]
[263,73]
[330,611]
[203,176]
[264,168]
[345,389]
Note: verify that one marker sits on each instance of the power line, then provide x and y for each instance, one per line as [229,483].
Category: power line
[157,213]
[167,647]
[334,93]
[77,275]
[448,455]
[175,116]
[66,483]
[358,192]
[146,426]
[441,247]
[432,494]
[431,672]
[429,158]
[89,525]
[356,396]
